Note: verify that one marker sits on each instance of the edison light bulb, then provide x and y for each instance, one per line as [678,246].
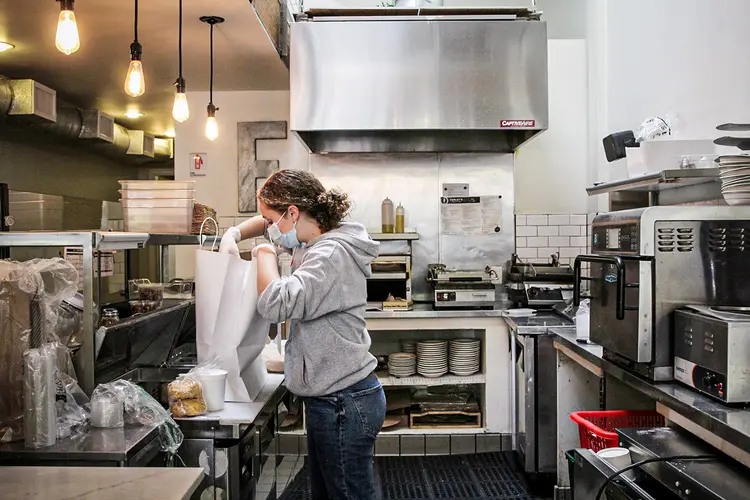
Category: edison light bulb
[212,128]
[180,110]
[135,84]
[67,40]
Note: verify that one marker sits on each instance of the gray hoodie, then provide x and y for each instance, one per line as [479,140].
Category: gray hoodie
[325,298]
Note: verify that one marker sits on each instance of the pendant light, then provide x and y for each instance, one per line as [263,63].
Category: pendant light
[66,38]
[180,110]
[135,83]
[212,128]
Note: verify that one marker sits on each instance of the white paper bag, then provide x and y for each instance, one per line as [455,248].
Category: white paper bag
[227,322]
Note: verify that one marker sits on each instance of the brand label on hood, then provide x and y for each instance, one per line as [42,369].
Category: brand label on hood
[517,123]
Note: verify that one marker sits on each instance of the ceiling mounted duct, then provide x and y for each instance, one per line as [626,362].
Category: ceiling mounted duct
[443,83]
[97,126]
[32,101]
[141,143]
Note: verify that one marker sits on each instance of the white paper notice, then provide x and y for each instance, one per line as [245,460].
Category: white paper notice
[74,255]
[471,215]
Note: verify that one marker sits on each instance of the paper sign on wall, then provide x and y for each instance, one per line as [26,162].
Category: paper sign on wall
[471,215]
[198,164]
[74,255]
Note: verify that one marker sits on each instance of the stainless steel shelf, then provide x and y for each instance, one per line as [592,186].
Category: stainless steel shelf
[182,240]
[100,240]
[394,236]
[660,181]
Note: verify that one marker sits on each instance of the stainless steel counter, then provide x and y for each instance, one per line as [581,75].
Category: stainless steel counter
[727,422]
[427,311]
[590,352]
[131,445]
[235,418]
[98,483]
[538,324]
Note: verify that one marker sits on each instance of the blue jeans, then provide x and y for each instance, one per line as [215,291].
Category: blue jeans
[341,432]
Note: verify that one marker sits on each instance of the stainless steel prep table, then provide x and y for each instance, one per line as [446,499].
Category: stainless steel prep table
[422,310]
[131,446]
[236,446]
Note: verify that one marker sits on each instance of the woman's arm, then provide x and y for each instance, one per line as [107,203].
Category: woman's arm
[268,267]
[253,227]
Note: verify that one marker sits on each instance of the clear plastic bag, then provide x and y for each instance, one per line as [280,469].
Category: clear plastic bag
[141,409]
[657,126]
[72,408]
[186,398]
[583,319]
[30,294]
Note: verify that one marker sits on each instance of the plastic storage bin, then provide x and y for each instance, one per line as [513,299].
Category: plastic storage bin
[158,220]
[184,203]
[596,428]
[157,185]
[156,194]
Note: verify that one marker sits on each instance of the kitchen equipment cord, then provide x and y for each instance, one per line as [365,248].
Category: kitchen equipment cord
[673,458]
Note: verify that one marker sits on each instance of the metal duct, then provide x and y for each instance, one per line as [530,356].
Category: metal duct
[69,125]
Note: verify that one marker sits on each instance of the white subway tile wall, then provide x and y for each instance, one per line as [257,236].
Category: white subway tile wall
[539,236]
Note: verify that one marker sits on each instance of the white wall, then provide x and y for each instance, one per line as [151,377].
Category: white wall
[552,169]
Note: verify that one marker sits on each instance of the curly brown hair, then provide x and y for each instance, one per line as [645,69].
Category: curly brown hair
[301,189]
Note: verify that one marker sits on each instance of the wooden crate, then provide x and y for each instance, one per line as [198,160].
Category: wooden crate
[416,420]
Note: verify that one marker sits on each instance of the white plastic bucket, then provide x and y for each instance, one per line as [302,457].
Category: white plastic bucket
[618,458]
[213,384]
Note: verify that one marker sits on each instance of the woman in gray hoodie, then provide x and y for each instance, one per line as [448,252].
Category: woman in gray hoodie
[327,358]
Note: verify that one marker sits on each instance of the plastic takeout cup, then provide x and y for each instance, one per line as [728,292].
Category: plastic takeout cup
[618,458]
[213,383]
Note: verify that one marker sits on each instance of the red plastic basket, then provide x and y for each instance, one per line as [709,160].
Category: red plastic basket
[596,427]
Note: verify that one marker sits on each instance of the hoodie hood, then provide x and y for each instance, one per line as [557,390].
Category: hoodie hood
[356,241]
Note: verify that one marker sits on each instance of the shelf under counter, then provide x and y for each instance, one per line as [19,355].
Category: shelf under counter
[418,380]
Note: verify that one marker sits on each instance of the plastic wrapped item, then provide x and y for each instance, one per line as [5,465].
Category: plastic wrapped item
[30,296]
[583,318]
[657,126]
[186,394]
[72,408]
[39,391]
[141,409]
[107,410]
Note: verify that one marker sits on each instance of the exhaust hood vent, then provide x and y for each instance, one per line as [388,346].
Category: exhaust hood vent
[98,126]
[409,84]
[141,143]
[33,101]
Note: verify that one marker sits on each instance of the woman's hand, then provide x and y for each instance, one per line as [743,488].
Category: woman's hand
[268,265]
[229,242]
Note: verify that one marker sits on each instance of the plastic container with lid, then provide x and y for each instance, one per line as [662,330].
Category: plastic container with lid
[158,185]
[387,216]
[151,194]
[110,317]
[186,203]
[178,220]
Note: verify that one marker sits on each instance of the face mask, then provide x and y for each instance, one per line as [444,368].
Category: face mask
[286,240]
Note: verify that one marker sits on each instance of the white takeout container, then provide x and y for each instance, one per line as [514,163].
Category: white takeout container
[213,384]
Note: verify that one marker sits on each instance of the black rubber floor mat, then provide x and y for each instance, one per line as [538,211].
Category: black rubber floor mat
[485,476]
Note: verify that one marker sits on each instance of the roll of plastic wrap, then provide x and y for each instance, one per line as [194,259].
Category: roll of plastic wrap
[40,416]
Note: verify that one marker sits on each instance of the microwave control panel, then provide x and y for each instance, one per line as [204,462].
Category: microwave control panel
[621,239]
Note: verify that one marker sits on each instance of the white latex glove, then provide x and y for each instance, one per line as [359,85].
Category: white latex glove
[263,246]
[229,242]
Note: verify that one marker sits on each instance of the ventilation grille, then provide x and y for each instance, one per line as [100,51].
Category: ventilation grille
[675,239]
[33,100]
[141,143]
[722,239]
[97,125]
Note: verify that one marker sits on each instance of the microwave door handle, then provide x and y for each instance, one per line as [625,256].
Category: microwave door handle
[620,283]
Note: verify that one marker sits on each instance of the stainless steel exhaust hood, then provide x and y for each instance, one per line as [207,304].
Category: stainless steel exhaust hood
[436,84]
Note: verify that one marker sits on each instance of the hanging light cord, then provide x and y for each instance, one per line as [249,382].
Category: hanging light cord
[211,72]
[135,23]
[180,41]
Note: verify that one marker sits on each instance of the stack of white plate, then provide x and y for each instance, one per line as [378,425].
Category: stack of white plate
[432,358]
[734,171]
[409,346]
[464,356]
[402,364]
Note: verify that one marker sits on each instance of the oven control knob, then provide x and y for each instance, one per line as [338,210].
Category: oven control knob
[533,292]
[708,380]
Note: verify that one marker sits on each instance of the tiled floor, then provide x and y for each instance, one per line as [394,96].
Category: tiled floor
[486,476]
